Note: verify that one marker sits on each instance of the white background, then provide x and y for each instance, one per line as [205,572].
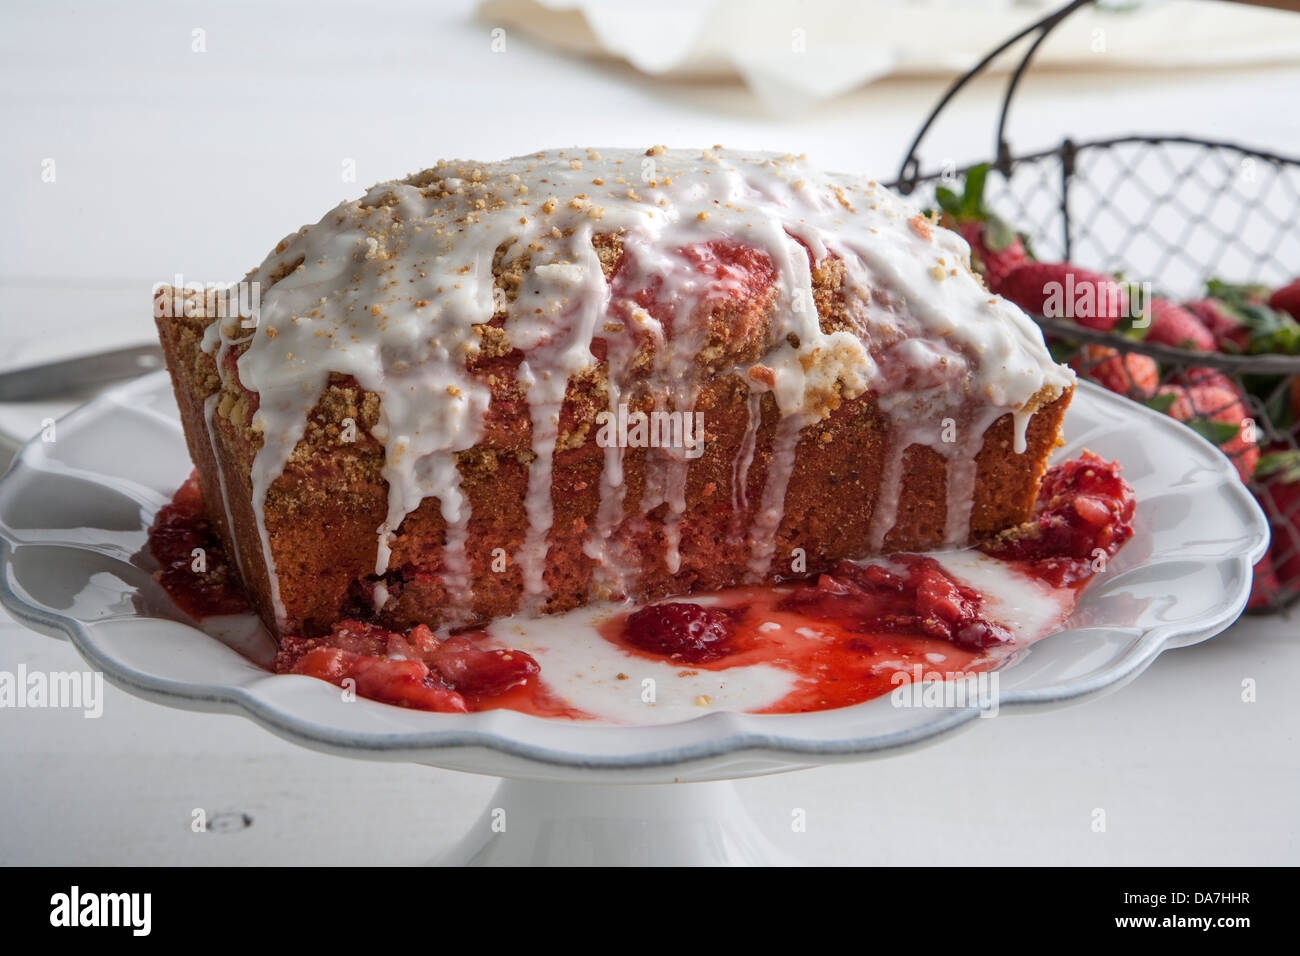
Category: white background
[173,161]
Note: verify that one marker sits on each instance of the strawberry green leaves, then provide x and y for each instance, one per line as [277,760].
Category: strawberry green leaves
[969,206]
[1268,330]
[1283,466]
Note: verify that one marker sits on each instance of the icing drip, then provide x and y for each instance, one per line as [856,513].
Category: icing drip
[394,291]
[607,574]
[432,473]
[218,339]
[960,488]
[678,296]
[676,472]
[884,511]
[740,470]
[962,472]
[1020,430]
[557,338]
[771,509]
[537,503]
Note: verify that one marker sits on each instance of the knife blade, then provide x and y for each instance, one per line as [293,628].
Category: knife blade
[67,376]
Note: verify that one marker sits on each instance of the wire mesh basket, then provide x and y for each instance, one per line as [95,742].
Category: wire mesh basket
[1172,212]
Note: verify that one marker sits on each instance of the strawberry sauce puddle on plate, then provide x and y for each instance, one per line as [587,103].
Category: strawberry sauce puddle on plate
[827,641]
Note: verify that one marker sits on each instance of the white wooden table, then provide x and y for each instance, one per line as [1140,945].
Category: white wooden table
[168,160]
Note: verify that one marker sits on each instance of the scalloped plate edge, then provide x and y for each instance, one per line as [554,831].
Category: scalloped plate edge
[424,745]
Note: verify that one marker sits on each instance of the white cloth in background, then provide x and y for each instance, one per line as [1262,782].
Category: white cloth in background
[794,53]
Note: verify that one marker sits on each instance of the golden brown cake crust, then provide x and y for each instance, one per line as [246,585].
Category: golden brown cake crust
[322,512]
[381,435]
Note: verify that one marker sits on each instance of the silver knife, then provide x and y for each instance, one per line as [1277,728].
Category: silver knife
[67,376]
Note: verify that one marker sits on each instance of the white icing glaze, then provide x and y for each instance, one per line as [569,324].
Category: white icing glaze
[740,470]
[599,544]
[391,287]
[582,667]
[771,509]
[885,509]
[1029,607]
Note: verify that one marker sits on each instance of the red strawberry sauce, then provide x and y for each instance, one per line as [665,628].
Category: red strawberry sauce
[837,655]
[195,571]
[848,632]
[844,634]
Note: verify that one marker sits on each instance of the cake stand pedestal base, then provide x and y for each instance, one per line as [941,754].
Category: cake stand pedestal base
[528,823]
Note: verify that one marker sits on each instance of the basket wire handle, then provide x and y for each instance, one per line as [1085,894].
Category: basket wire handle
[909,172]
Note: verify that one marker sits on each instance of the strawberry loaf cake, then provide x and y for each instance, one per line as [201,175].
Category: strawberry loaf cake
[522,386]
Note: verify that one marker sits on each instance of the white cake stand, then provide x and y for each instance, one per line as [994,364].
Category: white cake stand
[74,515]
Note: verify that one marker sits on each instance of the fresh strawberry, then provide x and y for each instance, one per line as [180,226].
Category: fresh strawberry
[1059,290]
[995,249]
[987,257]
[1238,293]
[1204,375]
[1279,473]
[1287,299]
[1171,324]
[1216,414]
[1136,376]
[1268,327]
[1230,333]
